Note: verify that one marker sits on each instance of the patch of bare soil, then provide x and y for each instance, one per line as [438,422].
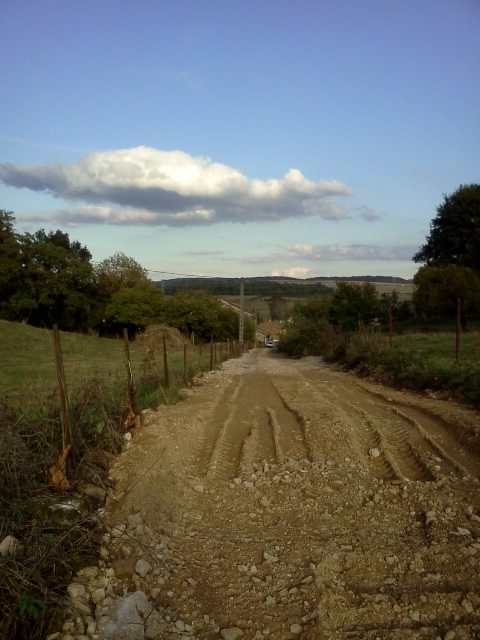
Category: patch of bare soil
[284,499]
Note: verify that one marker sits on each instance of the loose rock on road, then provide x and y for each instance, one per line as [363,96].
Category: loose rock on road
[285,499]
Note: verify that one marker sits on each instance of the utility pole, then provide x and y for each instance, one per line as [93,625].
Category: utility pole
[241,323]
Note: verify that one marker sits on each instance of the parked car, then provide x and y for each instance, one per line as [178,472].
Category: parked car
[270,344]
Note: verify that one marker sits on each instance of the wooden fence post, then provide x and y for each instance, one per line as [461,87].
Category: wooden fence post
[133,418]
[211,353]
[390,327]
[185,363]
[62,388]
[57,471]
[165,362]
[458,327]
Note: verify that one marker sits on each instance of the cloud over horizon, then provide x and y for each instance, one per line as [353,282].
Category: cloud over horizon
[148,186]
[293,272]
[334,252]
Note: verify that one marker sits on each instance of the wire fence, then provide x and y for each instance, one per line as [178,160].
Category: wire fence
[34,380]
[456,334]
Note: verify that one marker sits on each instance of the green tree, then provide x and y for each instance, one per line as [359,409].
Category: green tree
[455,231]
[113,275]
[135,307]
[353,304]
[199,316]
[117,272]
[437,290]
[10,262]
[57,284]
[277,305]
[315,308]
[308,332]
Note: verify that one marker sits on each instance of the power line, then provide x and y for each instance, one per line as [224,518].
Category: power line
[173,273]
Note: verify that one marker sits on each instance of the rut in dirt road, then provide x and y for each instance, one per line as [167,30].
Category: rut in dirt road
[251,412]
[285,499]
[412,443]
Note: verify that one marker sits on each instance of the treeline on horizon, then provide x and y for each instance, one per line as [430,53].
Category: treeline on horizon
[267,286]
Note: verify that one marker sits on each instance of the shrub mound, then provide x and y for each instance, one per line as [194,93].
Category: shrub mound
[152,338]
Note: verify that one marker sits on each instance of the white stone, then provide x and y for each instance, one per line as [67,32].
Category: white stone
[91,628]
[127,621]
[467,605]
[296,629]
[373,453]
[76,590]
[232,633]
[269,558]
[98,595]
[143,567]
[8,546]
[199,488]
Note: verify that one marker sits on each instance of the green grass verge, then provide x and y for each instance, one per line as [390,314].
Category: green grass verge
[417,361]
[33,582]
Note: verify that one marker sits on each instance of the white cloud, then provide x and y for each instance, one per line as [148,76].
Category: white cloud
[143,185]
[293,272]
[335,252]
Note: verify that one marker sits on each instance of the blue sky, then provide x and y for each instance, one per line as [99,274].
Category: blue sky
[221,138]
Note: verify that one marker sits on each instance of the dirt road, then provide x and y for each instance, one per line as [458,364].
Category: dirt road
[285,499]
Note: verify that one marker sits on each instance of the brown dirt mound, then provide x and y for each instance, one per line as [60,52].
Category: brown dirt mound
[152,338]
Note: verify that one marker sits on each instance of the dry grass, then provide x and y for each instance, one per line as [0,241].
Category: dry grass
[33,582]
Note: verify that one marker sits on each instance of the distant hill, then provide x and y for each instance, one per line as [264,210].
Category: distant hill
[379,279]
[267,286]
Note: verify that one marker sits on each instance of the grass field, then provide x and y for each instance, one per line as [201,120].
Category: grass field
[419,361]
[28,359]
[28,371]
[260,306]
[33,436]
[404,290]
[439,349]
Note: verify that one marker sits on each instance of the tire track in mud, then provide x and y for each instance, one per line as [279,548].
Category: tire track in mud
[427,429]
[440,439]
[252,419]
[415,445]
